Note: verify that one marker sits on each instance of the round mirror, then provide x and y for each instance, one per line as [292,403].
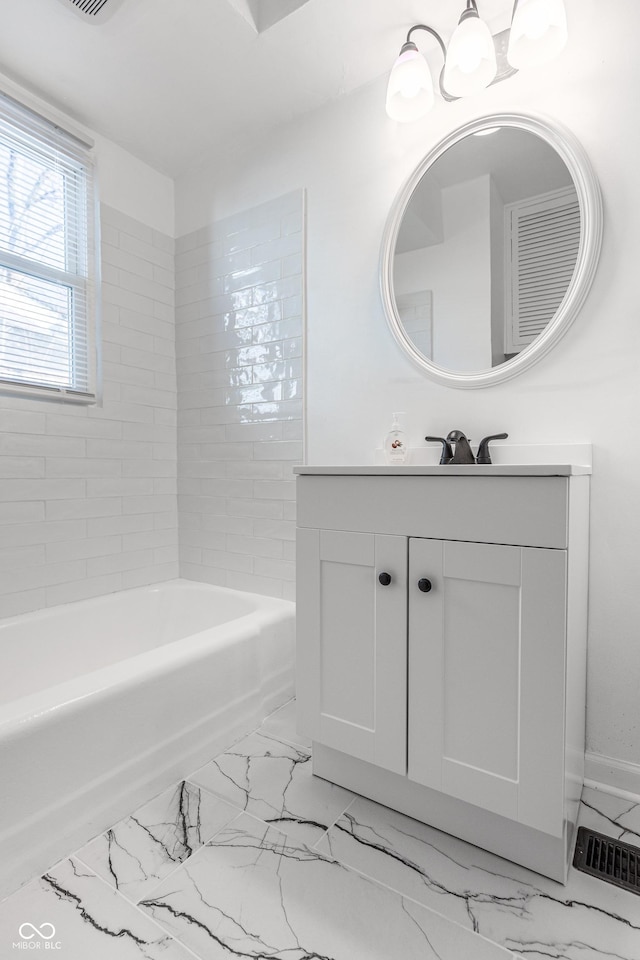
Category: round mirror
[490,249]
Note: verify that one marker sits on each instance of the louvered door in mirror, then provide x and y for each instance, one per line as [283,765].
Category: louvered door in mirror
[542,240]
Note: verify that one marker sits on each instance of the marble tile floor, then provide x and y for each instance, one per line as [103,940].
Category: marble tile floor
[251,857]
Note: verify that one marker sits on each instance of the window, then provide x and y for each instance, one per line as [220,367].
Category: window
[47,258]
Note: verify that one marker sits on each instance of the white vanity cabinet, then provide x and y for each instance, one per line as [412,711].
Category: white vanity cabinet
[441,646]
[352,659]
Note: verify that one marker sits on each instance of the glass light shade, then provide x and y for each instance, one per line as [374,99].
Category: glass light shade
[410,90]
[471,59]
[538,32]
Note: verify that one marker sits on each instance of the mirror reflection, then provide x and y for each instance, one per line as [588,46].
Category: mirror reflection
[486,249]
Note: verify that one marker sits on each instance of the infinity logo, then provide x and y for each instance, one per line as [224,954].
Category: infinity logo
[40,931]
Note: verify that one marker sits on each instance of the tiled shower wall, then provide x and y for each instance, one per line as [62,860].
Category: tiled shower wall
[239,324]
[88,494]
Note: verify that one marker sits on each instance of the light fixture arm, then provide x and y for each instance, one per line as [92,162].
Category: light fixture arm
[470,11]
[475,58]
[422,26]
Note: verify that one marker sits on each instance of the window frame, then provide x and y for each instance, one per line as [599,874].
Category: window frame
[82,276]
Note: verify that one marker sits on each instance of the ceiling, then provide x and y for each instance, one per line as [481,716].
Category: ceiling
[178,82]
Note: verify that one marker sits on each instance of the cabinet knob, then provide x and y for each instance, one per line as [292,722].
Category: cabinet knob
[385,579]
[424,585]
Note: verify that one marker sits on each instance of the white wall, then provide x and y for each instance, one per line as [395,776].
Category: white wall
[461,312]
[134,188]
[124,182]
[352,160]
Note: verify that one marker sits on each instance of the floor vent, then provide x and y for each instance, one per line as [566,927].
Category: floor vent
[617,863]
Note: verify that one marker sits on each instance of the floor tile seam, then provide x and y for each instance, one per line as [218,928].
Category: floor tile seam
[625,834]
[172,786]
[178,865]
[170,936]
[68,856]
[165,932]
[221,753]
[199,853]
[268,825]
[111,886]
[234,742]
[429,909]
[218,796]
[288,743]
[129,816]
[409,897]
[405,896]
[227,749]
[378,883]
[332,825]
[215,796]
[130,903]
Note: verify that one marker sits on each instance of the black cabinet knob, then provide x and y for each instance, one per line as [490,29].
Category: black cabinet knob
[385,579]
[424,585]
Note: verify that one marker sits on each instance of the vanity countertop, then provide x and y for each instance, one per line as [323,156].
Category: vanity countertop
[450,470]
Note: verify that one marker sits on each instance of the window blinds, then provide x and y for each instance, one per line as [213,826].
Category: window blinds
[47,257]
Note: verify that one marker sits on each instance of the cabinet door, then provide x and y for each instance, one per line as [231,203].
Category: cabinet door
[486,677]
[352,644]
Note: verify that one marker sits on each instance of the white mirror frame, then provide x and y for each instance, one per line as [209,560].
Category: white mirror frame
[590,200]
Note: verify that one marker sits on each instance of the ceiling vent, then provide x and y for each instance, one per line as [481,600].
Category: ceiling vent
[93,11]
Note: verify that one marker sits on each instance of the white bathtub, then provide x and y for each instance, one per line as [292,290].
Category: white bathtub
[105,702]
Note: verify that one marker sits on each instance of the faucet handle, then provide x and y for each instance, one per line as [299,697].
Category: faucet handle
[483,450]
[447,452]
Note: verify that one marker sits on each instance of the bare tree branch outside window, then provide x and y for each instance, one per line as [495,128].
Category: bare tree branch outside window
[35,313]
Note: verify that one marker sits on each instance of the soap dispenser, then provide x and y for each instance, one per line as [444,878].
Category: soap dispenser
[396,449]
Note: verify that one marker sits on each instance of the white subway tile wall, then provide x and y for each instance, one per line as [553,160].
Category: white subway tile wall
[239,326]
[88,494]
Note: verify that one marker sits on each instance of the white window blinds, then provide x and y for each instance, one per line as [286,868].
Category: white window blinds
[47,258]
[543,241]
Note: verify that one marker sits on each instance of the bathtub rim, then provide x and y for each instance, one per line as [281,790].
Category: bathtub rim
[34,616]
[39,707]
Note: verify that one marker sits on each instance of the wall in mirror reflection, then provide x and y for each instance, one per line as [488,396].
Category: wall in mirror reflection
[486,249]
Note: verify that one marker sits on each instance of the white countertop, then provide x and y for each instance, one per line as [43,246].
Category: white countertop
[449,470]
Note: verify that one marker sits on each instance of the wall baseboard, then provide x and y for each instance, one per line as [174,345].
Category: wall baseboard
[610,775]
